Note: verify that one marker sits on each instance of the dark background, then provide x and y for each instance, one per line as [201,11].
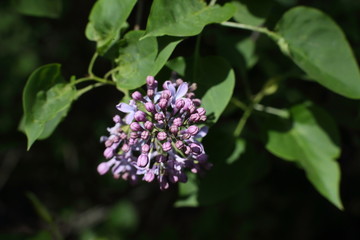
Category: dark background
[61,171]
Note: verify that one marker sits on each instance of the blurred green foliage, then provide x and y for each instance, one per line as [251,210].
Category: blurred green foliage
[249,193]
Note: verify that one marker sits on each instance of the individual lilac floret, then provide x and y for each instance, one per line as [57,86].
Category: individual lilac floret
[158,138]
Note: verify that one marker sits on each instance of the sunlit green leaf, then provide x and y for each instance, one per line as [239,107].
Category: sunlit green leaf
[141,58]
[318,46]
[46,100]
[311,140]
[106,19]
[184,18]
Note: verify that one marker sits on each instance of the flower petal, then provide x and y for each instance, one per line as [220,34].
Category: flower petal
[125,108]
[181,91]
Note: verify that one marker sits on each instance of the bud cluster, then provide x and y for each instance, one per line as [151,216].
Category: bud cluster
[158,137]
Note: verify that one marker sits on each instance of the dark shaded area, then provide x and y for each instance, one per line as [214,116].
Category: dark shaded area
[277,202]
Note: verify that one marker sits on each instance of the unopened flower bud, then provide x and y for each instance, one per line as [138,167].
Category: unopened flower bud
[140,116]
[150,107]
[161,136]
[116,118]
[150,92]
[134,135]
[142,160]
[145,148]
[201,111]
[203,118]
[179,81]
[123,135]
[194,117]
[187,150]
[125,147]
[150,81]
[109,153]
[166,94]
[179,144]
[193,130]
[103,168]
[177,122]
[148,125]
[179,103]
[149,176]
[174,129]
[109,142]
[166,146]
[163,103]
[135,126]
[159,116]
[192,108]
[137,96]
[186,136]
[145,135]
[193,87]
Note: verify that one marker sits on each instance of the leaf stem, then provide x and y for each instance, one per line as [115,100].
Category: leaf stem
[93,78]
[88,88]
[91,64]
[239,103]
[264,30]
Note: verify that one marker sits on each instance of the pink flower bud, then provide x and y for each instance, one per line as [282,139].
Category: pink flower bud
[140,116]
[134,135]
[201,111]
[177,122]
[161,136]
[145,148]
[174,129]
[142,160]
[193,130]
[179,144]
[150,107]
[196,102]
[149,176]
[166,94]
[125,147]
[179,81]
[148,125]
[166,146]
[179,103]
[137,96]
[194,117]
[203,118]
[159,116]
[150,81]
[116,118]
[103,168]
[135,126]
[163,103]
[145,135]
[150,92]
[109,153]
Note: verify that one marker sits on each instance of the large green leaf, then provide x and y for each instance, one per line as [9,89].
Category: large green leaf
[46,100]
[39,8]
[252,12]
[141,58]
[106,19]
[311,140]
[184,18]
[215,79]
[318,46]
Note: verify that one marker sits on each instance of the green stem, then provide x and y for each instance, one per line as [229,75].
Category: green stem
[91,64]
[88,88]
[239,103]
[109,73]
[93,78]
[264,30]
[274,111]
[258,97]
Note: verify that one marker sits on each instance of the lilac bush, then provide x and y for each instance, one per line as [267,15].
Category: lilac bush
[158,138]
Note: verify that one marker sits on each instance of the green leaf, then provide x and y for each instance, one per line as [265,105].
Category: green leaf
[215,79]
[318,46]
[46,100]
[184,18]
[106,19]
[311,140]
[252,12]
[141,58]
[39,8]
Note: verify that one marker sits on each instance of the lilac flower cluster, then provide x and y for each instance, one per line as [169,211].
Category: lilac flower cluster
[158,137]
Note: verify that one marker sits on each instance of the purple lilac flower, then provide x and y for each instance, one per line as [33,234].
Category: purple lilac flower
[158,137]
